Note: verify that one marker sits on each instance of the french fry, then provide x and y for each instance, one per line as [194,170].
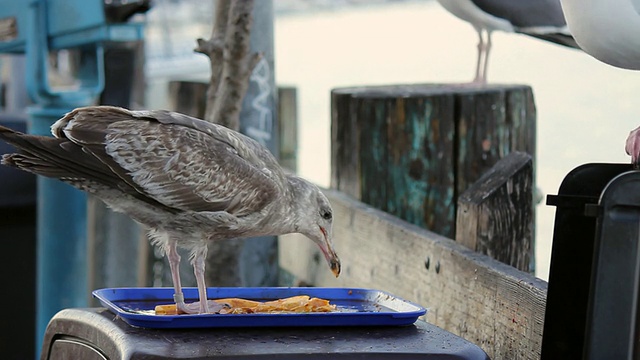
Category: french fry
[294,304]
[237,302]
[168,309]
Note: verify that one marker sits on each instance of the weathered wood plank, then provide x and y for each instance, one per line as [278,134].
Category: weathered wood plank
[495,214]
[491,124]
[479,116]
[112,247]
[373,154]
[418,181]
[392,147]
[188,97]
[521,119]
[288,127]
[487,302]
[345,164]
[411,149]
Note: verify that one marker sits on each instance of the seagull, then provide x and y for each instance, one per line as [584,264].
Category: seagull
[188,180]
[542,19]
[609,30]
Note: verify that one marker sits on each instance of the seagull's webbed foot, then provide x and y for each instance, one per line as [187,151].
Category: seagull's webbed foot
[182,307]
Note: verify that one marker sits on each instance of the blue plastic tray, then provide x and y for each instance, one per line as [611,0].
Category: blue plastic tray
[356,307]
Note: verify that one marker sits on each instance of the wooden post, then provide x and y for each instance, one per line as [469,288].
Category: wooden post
[410,150]
[288,127]
[495,214]
[188,97]
[113,247]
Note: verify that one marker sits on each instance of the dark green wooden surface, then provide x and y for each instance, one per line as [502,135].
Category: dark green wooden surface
[411,149]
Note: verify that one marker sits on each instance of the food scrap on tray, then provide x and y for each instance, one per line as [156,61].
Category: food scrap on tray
[294,304]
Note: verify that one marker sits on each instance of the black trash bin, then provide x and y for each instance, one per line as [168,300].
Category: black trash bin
[594,279]
[96,333]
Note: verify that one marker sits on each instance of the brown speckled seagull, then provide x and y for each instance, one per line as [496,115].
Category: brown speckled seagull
[188,180]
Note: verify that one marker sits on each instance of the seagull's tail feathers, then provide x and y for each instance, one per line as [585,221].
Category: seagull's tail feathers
[33,165]
[62,159]
[557,35]
[558,38]
[46,156]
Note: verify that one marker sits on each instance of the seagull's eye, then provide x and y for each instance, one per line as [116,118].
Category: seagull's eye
[325,214]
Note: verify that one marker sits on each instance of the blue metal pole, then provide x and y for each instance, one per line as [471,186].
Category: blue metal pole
[61,236]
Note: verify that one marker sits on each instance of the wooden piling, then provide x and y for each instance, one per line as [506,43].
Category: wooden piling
[288,127]
[410,150]
[188,97]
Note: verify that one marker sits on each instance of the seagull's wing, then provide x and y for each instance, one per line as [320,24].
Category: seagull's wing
[178,161]
[247,148]
[542,19]
[525,13]
[57,158]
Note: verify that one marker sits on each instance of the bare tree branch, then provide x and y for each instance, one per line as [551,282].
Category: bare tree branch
[231,65]
[214,48]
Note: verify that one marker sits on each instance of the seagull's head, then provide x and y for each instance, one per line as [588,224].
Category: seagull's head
[316,220]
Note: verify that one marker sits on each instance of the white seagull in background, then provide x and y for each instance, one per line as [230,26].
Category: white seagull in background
[542,19]
[188,180]
[609,30]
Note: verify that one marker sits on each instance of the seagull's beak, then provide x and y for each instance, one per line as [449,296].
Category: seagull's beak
[326,246]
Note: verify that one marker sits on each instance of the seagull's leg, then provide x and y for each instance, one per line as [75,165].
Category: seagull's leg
[478,78]
[174,264]
[199,255]
[486,57]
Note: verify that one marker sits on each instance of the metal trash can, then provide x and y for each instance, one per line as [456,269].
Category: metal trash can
[97,333]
